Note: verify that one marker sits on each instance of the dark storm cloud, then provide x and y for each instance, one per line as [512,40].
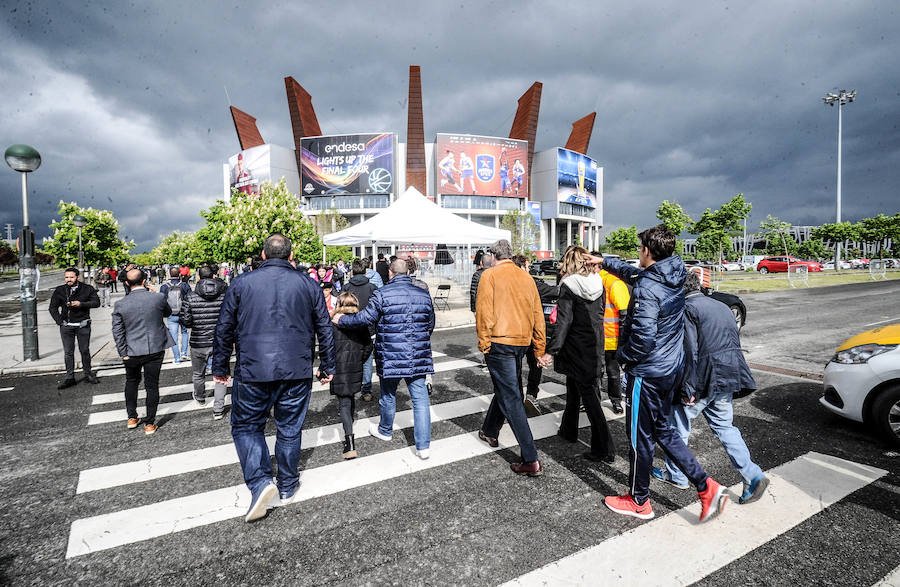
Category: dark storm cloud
[694,103]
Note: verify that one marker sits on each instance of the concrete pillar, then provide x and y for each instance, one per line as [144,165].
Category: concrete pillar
[552,246]
[568,232]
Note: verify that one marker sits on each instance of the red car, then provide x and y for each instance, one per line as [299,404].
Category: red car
[780,264]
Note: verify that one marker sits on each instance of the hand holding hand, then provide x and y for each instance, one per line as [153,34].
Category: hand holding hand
[545,361]
[124,358]
[336,318]
[323,379]
[223,379]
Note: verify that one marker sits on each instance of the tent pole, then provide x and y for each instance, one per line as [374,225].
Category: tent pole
[323,253]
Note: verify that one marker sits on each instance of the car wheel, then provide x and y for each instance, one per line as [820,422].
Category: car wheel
[763,270]
[541,273]
[738,316]
[886,414]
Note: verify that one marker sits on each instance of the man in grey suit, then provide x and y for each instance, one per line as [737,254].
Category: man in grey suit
[141,340]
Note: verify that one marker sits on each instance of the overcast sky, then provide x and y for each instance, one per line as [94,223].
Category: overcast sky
[695,101]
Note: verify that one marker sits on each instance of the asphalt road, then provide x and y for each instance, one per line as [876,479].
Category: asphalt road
[82,503]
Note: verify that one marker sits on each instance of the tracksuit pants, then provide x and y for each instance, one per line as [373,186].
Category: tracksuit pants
[648,402]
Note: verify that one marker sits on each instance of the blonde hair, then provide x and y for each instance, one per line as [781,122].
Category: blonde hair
[574,262]
[347,304]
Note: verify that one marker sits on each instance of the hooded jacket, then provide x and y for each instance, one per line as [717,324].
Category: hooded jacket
[577,344]
[200,311]
[352,346]
[651,341]
[360,286]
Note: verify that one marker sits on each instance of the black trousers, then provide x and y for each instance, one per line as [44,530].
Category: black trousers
[150,365]
[69,334]
[586,392]
[613,376]
[534,375]
[348,409]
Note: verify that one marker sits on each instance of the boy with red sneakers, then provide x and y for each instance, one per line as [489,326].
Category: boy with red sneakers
[651,353]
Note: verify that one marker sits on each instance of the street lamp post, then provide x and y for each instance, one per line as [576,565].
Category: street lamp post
[841,98]
[80,222]
[25,159]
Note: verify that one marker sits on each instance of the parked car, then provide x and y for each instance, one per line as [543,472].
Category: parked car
[862,381]
[734,303]
[732,266]
[633,262]
[544,267]
[829,265]
[780,264]
[859,263]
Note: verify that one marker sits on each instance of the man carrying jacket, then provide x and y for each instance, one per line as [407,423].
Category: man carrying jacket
[360,286]
[272,317]
[509,319]
[651,352]
[70,308]
[715,369]
[403,316]
[200,312]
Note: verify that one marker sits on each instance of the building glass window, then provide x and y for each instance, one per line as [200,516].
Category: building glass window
[319,203]
[376,201]
[484,203]
[575,210]
[510,203]
[454,201]
[346,202]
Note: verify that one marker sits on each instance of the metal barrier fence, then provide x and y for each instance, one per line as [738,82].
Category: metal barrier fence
[798,275]
[877,269]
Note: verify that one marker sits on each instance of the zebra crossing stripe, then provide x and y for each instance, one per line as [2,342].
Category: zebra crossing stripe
[107,531]
[892,579]
[798,490]
[216,456]
[118,397]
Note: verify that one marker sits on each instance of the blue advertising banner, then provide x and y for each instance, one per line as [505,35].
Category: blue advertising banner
[577,178]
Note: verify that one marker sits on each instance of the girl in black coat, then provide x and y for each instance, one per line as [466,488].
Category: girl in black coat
[578,350]
[352,347]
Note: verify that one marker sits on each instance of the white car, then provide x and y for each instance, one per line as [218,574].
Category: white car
[829,265]
[862,381]
[732,266]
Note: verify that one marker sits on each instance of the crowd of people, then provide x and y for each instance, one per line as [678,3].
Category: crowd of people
[282,322]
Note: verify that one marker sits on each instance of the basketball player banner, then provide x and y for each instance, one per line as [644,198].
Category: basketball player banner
[249,169]
[347,164]
[577,178]
[481,166]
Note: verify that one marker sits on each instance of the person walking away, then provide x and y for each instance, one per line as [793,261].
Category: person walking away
[104,282]
[114,274]
[360,286]
[372,275]
[715,369]
[403,316]
[617,300]
[577,350]
[124,279]
[200,312]
[411,267]
[509,319]
[272,317]
[184,272]
[70,308]
[141,340]
[548,294]
[381,267]
[651,351]
[352,346]
[175,291]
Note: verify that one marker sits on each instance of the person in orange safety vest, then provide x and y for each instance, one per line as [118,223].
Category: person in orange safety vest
[617,299]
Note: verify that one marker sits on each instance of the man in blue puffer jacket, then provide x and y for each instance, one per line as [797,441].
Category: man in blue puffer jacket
[403,315]
[651,351]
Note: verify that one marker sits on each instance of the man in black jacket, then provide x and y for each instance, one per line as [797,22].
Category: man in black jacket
[70,307]
[381,267]
[548,294]
[360,286]
[199,312]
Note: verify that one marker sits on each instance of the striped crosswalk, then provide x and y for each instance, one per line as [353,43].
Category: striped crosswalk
[800,489]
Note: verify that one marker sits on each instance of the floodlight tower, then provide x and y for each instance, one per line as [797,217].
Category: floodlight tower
[841,98]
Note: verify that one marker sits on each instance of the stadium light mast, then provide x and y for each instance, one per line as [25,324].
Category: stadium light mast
[841,98]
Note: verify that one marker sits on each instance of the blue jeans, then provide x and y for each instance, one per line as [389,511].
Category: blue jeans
[418,393]
[251,403]
[504,363]
[174,328]
[718,410]
[367,374]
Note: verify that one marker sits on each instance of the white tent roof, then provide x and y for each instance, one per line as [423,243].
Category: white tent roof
[413,218]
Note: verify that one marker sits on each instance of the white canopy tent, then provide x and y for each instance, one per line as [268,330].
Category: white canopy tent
[413,218]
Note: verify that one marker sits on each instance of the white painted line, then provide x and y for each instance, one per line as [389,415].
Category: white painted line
[106,531]
[786,376]
[798,490]
[892,579]
[6,389]
[121,370]
[217,456]
[896,319]
[472,325]
[164,408]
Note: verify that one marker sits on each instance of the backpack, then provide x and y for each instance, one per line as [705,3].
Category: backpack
[173,297]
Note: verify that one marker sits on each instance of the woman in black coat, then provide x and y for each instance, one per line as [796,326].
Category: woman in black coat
[577,348]
[352,347]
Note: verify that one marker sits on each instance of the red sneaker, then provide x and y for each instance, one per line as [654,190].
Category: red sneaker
[625,505]
[712,501]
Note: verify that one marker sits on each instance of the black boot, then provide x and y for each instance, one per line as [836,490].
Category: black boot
[349,447]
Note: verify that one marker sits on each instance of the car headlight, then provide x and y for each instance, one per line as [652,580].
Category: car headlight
[862,353]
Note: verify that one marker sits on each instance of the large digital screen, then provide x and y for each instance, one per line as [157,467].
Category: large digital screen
[249,169]
[481,166]
[577,178]
[347,164]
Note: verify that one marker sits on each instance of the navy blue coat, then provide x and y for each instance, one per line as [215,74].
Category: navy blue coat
[713,360]
[404,318]
[651,343]
[273,316]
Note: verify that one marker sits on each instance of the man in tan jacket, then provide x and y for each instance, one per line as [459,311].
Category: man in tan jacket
[509,318]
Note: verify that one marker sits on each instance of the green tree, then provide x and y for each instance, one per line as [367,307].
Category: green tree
[714,228]
[676,219]
[332,221]
[143,259]
[623,240]
[179,248]
[778,236]
[100,237]
[876,229]
[834,233]
[238,229]
[523,229]
[814,249]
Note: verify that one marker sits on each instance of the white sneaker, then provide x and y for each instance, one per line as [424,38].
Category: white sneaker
[423,453]
[376,433]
